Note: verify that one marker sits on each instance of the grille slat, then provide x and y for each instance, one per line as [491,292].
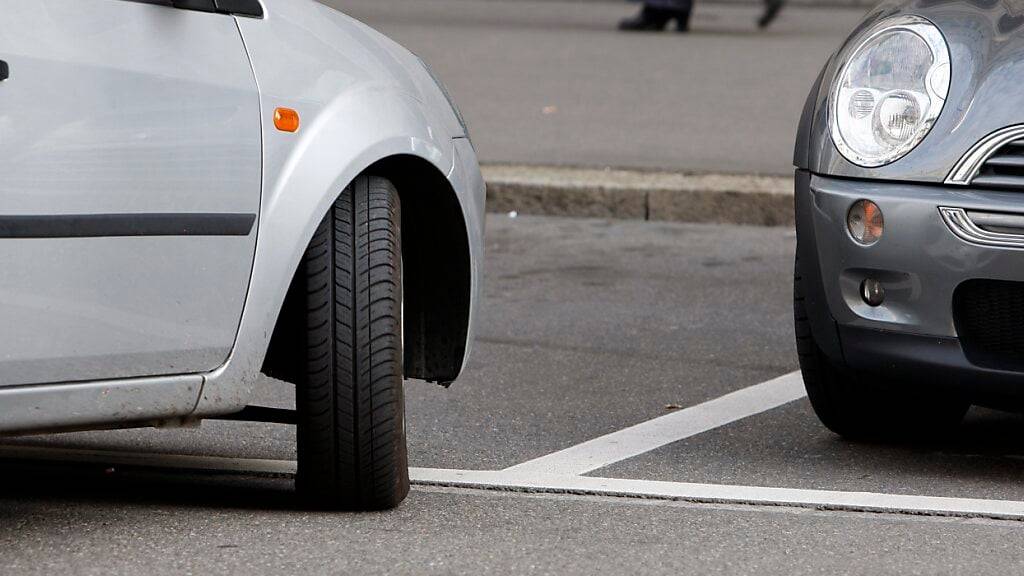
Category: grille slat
[989,317]
[1000,181]
[1004,170]
[1006,161]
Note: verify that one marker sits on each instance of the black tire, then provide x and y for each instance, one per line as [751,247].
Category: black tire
[862,406]
[350,403]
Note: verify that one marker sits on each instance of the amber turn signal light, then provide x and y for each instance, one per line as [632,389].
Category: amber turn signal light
[865,222]
[286,120]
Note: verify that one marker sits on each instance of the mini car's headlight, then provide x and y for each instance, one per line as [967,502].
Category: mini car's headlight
[889,91]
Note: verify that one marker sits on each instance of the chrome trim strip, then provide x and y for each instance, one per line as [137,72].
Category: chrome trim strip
[970,165]
[990,220]
[963,227]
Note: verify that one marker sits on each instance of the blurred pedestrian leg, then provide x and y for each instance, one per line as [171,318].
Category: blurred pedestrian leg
[771,10]
[656,14]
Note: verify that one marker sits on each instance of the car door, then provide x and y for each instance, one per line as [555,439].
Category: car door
[130,174]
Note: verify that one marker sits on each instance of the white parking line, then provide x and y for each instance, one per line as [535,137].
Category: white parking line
[647,436]
[568,484]
[727,494]
[561,472]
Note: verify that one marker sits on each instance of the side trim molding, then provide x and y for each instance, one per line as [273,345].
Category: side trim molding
[90,405]
[123,225]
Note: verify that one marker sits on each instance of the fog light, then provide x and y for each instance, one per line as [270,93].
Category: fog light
[872,292]
[865,222]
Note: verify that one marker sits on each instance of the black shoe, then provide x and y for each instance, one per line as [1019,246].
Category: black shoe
[648,20]
[771,11]
[682,21]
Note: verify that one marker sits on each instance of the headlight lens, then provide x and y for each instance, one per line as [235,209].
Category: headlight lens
[890,91]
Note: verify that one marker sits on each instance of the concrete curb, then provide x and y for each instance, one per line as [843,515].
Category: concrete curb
[628,194]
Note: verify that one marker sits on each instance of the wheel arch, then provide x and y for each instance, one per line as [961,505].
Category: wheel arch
[437,278]
[363,130]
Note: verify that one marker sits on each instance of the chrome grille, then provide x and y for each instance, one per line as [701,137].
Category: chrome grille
[1004,169]
[997,161]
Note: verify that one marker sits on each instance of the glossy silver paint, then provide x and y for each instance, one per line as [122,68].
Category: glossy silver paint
[31,409]
[122,108]
[362,98]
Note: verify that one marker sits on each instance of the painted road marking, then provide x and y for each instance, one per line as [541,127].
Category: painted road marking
[647,436]
[561,472]
[726,494]
[507,481]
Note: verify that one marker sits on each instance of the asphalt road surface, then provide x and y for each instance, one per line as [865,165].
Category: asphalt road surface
[589,328]
[552,82]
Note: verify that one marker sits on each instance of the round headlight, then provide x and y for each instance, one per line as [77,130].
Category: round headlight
[889,91]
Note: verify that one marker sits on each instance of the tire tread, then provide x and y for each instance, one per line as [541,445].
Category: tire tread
[351,440]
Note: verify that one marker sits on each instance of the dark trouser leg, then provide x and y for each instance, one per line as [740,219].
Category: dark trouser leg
[650,18]
[675,9]
[771,11]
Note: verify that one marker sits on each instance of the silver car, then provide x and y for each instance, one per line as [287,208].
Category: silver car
[909,284]
[195,192]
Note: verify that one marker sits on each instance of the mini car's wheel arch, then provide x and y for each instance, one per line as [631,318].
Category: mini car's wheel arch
[437,278]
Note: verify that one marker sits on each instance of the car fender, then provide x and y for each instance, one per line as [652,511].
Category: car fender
[303,179]
[801,151]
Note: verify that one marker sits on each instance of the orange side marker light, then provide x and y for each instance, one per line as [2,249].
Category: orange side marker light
[286,120]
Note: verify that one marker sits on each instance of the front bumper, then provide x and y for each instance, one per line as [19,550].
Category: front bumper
[920,262]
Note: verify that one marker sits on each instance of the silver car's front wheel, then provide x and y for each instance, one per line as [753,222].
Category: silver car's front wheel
[351,403]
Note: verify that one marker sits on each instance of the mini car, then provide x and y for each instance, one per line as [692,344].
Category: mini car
[909,283]
[195,192]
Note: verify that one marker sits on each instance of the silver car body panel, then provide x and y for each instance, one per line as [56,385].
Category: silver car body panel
[116,112]
[60,407]
[361,98]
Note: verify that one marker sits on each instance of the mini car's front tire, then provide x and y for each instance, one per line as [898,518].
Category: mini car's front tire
[863,406]
[350,402]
